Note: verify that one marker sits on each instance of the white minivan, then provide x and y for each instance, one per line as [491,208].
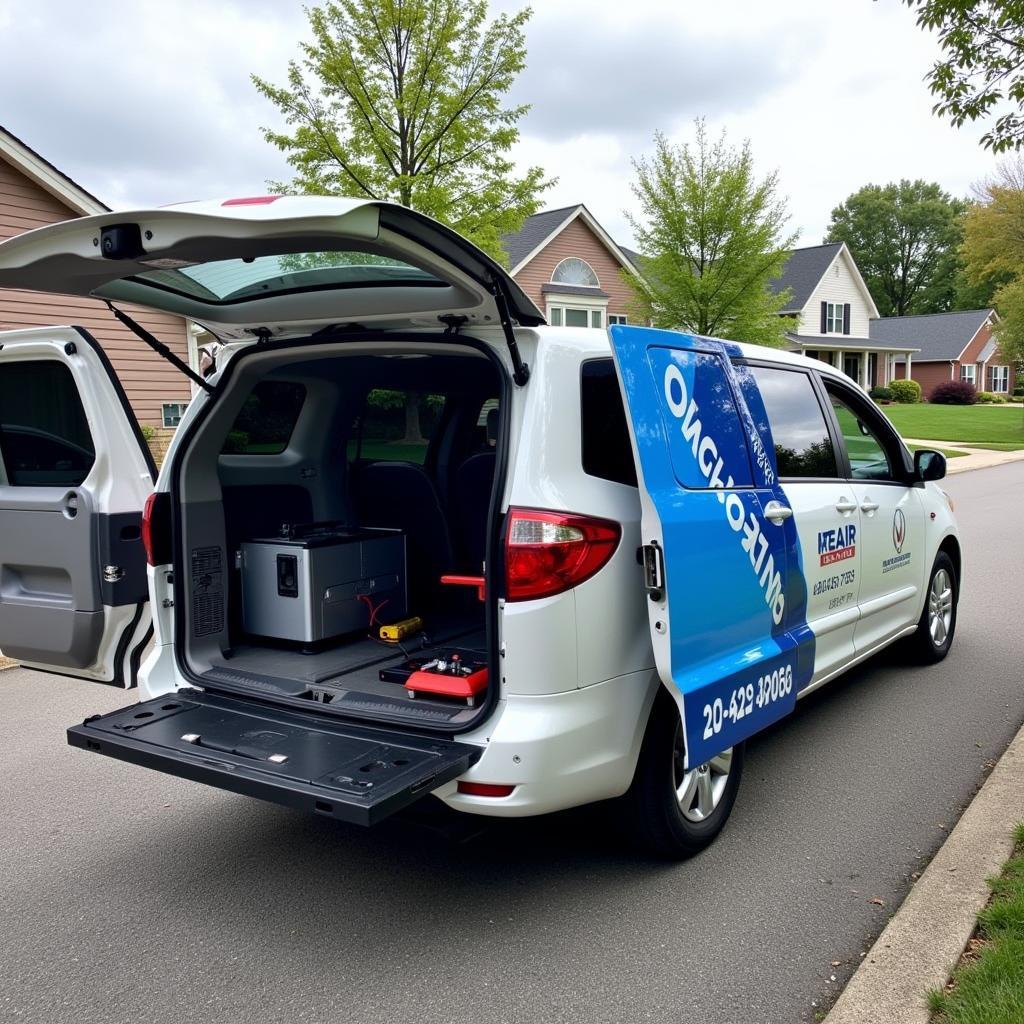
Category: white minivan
[583,565]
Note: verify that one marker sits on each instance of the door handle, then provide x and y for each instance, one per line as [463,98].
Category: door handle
[869,506]
[777,512]
[844,506]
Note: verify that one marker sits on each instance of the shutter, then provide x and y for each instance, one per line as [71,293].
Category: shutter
[824,318]
[846,318]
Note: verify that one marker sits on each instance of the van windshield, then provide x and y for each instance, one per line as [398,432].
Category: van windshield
[237,280]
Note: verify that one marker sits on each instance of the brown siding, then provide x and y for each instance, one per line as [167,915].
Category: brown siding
[148,379]
[928,375]
[576,240]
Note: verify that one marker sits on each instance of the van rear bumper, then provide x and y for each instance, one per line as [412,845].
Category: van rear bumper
[559,750]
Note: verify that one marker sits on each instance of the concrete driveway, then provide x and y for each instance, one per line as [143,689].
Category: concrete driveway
[131,896]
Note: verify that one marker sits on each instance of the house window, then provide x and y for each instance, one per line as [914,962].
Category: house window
[967,371]
[999,379]
[171,413]
[834,318]
[617,318]
[576,272]
[575,316]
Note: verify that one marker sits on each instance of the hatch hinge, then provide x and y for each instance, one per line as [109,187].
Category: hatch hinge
[520,371]
[159,347]
[453,322]
[262,334]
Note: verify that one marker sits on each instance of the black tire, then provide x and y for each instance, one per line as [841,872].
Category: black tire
[653,810]
[922,646]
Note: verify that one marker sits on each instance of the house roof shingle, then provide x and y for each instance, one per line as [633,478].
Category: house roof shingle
[939,336]
[802,272]
[519,244]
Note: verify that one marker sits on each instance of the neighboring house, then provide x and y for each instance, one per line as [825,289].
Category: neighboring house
[953,346]
[569,265]
[833,312]
[34,193]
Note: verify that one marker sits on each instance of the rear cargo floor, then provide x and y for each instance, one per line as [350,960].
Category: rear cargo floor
[353,669]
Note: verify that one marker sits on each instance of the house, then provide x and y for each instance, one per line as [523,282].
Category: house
[571,268]
[833,311]
[34,193]
[953,346]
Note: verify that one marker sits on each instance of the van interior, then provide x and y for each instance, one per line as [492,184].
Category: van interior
[326,495]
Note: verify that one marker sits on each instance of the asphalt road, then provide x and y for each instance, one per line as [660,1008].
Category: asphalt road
[130,896]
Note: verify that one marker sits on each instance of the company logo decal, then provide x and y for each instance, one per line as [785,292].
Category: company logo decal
[747,524]
[837,545]
[899,530]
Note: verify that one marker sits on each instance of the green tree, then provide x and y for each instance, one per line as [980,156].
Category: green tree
[981,72]
[712,237]
[905,239]
[404,100]
[993,250]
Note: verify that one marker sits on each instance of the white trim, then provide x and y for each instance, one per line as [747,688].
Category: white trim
[873,313]
[587,217]
[989,321]
[38,170]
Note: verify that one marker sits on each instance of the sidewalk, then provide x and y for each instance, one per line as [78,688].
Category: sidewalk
[976,458]
[925,939]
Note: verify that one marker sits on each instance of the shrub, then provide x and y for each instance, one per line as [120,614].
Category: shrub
[1018,391]
[148,432]
[987,397]
[905,391]
[999,398]
[881,394]
[954,392]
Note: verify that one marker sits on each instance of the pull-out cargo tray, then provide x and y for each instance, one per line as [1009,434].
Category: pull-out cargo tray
[306,761]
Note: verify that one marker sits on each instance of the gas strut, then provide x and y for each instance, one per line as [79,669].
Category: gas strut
[159,347]
[520,370]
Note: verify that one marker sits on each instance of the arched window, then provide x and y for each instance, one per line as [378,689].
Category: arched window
[575,271]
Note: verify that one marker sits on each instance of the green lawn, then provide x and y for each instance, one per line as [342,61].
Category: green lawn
[989,989]
[962,424]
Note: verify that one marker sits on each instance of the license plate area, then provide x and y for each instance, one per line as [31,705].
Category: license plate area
[308,761]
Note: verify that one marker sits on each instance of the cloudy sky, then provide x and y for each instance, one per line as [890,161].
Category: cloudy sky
[146,103]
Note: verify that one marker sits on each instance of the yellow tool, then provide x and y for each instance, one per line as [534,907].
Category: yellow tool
[400,630]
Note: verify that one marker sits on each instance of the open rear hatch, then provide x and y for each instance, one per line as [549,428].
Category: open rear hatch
[307,761]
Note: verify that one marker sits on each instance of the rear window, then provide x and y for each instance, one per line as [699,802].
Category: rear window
[395,426]
[607,452]
[44,435]
[238,280]
[265,423]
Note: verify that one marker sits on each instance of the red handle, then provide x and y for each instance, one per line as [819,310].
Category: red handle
[467,581]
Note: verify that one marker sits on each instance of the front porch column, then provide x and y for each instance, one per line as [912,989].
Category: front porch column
[862,370]
[838,364]
[906,356]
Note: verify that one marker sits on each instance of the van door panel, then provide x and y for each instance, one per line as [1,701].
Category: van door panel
[729,626]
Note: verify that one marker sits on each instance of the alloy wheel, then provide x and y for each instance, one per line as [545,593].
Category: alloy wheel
[699,789]
[940,607]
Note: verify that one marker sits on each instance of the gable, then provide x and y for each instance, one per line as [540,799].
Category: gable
[841,283]
[803,272]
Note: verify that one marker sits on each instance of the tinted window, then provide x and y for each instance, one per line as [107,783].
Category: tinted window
[396,426]
[864,447]
[265,423]
[803,447]
[44,435]
[607,452]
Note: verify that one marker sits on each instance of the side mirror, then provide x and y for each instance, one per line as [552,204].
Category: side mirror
[929,465]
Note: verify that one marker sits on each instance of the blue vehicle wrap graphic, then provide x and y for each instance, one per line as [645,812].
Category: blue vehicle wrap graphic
[740,647]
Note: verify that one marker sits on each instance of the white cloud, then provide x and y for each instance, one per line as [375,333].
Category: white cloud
[148,103]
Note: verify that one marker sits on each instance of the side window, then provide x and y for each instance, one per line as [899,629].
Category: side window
[44,435]
[265,423]
[395,426]
[803,446]
[607,452]
[866,449]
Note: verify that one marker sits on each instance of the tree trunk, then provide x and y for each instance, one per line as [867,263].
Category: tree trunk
[412,420]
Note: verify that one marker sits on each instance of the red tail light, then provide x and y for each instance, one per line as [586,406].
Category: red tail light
[547,553]
[156,528]
[251,201]
[492,789]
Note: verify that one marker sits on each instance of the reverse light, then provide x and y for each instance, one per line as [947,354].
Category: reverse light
[547,553]
[491,789]
[251,201]
[156,528]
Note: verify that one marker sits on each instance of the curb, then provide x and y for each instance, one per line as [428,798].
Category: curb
[929,932]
